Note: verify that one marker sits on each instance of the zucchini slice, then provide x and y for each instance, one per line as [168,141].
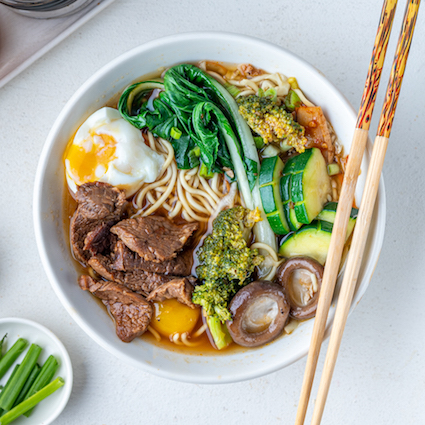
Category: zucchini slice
[311,241]
[329,212]
[270,174]
[288,206]
[310,184]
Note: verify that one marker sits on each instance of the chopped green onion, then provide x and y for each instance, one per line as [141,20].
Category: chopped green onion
[271,92]
[333,169]
[292,101]
[196,151]
[259,142]
[44,377]
[260,92]
[203,172]
[175,133]
[29,403]
[23,394]
[233,90]
[12,354]
[10,394]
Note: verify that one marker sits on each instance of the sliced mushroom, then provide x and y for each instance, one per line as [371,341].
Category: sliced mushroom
[301,279]
[260,312]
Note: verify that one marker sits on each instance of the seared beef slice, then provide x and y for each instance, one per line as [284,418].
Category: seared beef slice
[100,206]
[154,238]
[180,289]
[131,311]
[129,261]
[137,280]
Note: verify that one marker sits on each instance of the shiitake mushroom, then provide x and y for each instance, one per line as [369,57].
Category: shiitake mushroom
[301,279]
[260,312]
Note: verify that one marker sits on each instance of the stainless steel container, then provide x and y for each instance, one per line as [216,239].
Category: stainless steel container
[46,8]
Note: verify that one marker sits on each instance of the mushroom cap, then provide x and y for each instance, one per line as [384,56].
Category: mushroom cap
[260,312]
[300,310]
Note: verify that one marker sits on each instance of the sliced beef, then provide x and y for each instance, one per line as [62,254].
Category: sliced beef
[100,206]
[180,289]
[138,281]
[98,239]
[127,260]
[131,311]
[154,238]
[100,201]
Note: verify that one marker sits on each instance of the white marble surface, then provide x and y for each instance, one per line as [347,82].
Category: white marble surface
[380,374]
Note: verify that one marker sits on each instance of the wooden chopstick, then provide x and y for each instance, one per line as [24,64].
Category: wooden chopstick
[345,201]
[355,255]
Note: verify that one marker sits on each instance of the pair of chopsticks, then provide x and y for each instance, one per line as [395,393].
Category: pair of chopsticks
[361,230]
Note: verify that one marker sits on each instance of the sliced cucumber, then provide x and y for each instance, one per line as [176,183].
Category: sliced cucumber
[310,184]
[329,212]
[288,207]
[270,174]
[311,240]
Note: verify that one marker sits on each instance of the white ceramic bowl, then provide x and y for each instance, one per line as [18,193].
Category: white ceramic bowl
[50,185]
[51,407]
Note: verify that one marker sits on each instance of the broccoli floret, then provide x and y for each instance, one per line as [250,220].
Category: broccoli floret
[226,262]
[271,121]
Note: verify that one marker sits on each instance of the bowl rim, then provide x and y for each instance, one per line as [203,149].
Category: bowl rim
[64,359]
[41,169]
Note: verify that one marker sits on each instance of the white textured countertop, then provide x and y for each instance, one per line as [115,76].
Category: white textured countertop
[380,374]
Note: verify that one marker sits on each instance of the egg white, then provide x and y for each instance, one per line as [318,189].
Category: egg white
[133,163]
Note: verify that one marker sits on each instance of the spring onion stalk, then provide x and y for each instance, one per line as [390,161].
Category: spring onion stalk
[333,169]
[44,377]
[10,394]
[1,345]
[8,382]
[219,332]
[175,133]
[272,93]
[32,401]
[22,395]
[203,172]
[12,354]
[292,101]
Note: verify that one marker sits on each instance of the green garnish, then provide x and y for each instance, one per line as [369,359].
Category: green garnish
[175,133]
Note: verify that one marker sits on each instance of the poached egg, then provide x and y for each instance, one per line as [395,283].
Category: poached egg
[109,149]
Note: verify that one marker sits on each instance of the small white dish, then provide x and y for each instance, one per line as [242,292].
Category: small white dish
[51,407]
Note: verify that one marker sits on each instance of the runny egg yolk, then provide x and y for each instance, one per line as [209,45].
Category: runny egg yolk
[172,317]
[87,165]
